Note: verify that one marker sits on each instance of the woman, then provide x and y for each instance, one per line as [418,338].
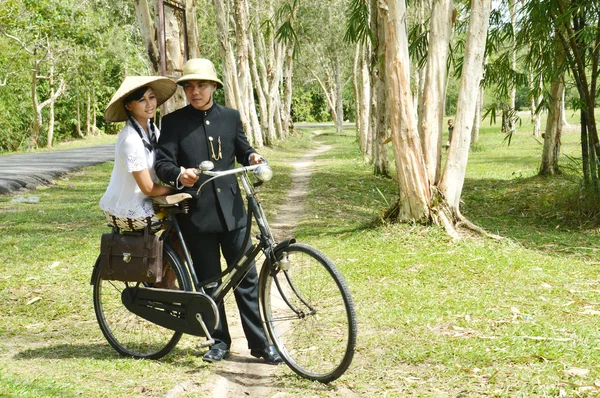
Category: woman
[126,202]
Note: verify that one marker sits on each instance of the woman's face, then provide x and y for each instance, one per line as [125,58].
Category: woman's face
[144,108]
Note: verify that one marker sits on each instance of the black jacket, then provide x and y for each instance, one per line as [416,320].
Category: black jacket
[184,141]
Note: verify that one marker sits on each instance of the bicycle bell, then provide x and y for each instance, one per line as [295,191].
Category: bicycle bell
[206,165]
[263,172]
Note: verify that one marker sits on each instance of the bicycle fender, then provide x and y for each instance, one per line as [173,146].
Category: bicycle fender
[95,271]
[283,244]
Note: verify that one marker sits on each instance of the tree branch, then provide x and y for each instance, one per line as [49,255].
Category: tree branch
[58,92]
[3,83]
[327,95]
[31,52]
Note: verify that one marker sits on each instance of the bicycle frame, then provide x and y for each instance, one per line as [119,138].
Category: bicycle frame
[235,272]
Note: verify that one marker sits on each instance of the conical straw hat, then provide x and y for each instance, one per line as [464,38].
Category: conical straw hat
[163,88]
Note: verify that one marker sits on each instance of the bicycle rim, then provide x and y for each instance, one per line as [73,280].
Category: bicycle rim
[309,314]
[129,334]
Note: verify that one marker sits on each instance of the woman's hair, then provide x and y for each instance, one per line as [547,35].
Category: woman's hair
[136,96]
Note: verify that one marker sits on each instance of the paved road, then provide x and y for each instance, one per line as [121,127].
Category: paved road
[29,170]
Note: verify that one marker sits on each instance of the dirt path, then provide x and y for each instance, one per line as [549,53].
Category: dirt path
[242,375]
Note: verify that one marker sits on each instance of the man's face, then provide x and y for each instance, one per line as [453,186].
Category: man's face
[199,93]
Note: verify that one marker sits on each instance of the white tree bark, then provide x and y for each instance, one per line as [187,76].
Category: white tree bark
[244,80]
[362,93]
[50,135]
[477,117]
[431,115]
[553,131]
[339,103]
[414,194]
[260,91]
[554,122]
[453,178]
[149,33]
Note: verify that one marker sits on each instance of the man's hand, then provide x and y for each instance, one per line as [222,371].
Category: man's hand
[255,158]
[188,177]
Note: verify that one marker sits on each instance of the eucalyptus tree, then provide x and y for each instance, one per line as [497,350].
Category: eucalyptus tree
[425,194]
[366,26]
[171,33]
[324,53]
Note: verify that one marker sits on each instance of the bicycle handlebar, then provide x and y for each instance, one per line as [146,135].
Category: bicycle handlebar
[228,172]
[262,171]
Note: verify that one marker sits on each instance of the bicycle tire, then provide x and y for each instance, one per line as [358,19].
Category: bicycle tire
[129,334]
[308,313]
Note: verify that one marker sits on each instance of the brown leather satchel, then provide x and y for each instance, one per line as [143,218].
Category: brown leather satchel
[131,256]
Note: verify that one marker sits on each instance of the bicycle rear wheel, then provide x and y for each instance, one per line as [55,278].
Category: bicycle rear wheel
[129,334]
[308,313]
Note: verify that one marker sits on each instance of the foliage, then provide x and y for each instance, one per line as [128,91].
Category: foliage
[94,45]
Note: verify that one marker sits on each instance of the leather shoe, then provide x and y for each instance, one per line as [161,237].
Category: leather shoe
[215,355]
[269,354]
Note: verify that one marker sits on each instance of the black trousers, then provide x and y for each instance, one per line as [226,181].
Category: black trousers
[205,250]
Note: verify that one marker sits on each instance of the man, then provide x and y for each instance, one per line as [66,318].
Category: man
[450,131]
[216,221]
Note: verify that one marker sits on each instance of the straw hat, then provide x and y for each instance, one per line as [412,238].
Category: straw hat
[200,69]
[162,86]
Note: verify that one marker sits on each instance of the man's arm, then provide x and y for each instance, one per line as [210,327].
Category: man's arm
[166,165]
[243,149]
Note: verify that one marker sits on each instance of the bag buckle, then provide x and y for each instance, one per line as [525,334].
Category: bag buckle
[127,257]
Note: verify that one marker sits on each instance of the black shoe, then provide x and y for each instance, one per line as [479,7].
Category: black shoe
[215,355]
[269,354]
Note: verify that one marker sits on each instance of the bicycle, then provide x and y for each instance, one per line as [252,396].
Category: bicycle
[304,302]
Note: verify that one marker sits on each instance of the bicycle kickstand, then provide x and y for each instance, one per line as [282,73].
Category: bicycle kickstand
[209,340]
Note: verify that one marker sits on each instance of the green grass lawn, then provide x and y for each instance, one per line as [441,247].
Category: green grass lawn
[437,317]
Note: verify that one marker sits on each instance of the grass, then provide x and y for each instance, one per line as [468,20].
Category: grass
[516,317]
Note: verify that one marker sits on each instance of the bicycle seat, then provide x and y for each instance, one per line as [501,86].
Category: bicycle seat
[170,200]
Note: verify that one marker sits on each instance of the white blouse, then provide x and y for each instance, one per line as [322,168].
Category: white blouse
[123,197]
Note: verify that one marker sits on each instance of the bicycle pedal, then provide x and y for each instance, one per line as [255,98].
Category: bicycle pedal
[207,343]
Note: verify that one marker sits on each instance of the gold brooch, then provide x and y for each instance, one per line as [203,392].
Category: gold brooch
[212,148]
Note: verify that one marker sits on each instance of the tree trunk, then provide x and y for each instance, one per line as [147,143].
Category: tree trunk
[553,132]
[50,135]
[431,115]
[288,74]
[94,125]
[477,118]
[175,35]
[330,97]
[260,90]
[453,178]
[413,184]
[244,80]
[88,116]
[511,115]
[535,103]
[37,112]
[362,94]
[149,33]
[339,103]
[378,119]
[78,126]
[192,29]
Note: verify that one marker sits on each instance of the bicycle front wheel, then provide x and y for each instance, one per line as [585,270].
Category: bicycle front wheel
[308,313]
[129,334]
